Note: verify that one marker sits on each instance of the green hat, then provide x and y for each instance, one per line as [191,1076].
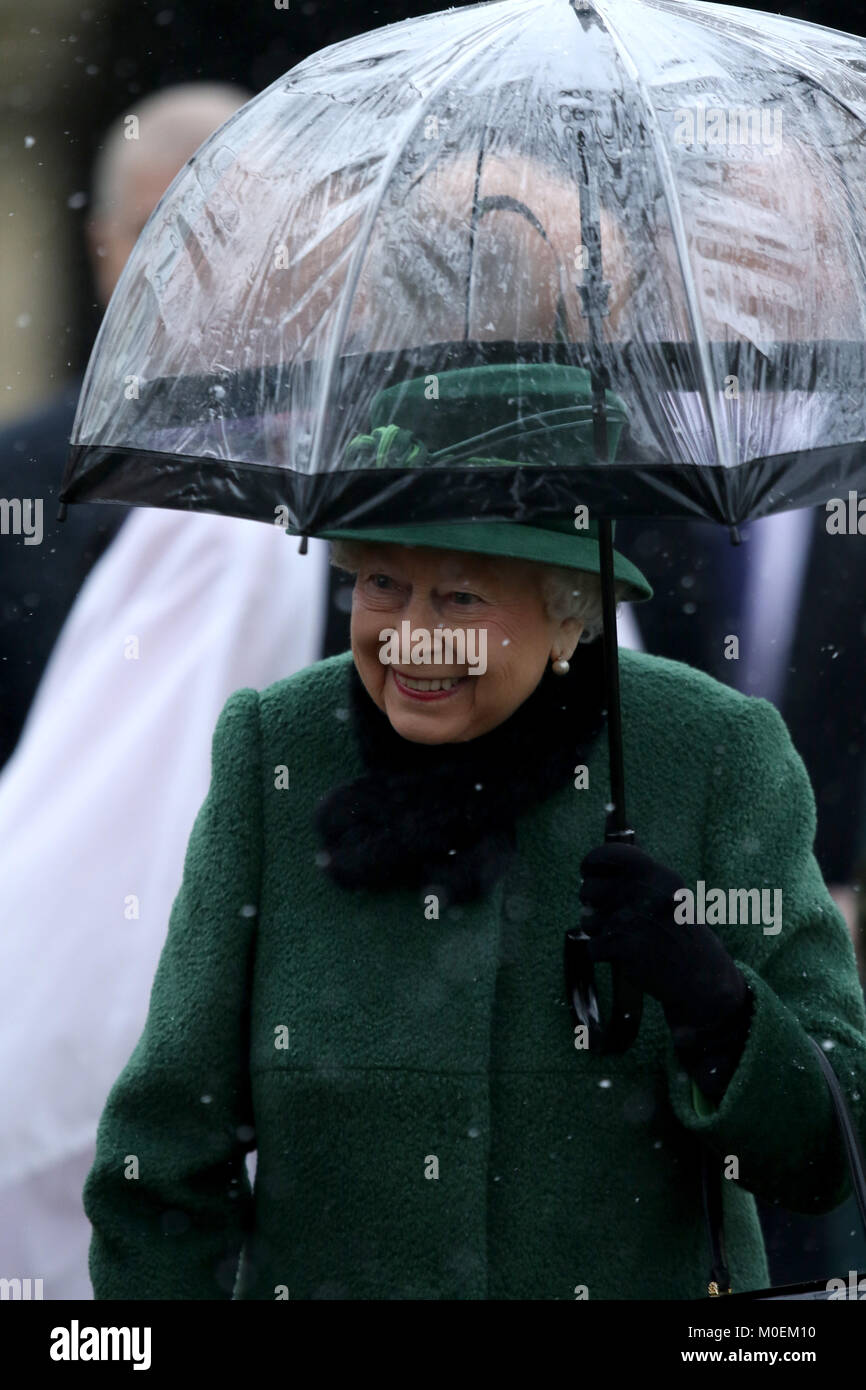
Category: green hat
[472,421]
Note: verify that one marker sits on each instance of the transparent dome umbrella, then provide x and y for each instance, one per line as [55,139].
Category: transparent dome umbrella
[664,201]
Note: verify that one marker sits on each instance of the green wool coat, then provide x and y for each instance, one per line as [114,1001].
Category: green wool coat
[425,1126]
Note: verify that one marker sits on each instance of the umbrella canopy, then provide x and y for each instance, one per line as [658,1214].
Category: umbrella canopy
[666,197]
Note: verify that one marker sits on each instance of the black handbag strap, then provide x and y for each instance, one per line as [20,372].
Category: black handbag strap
[711,1179]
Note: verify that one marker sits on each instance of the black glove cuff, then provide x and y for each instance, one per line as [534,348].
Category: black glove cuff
[717,1015]
[712,1055]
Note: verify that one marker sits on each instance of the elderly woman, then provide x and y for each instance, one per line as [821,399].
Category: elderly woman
[362,979]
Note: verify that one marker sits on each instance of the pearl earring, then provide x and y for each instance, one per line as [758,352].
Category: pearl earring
[560,666]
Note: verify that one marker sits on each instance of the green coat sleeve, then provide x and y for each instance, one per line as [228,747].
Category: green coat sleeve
[168,1195]
[776,1115]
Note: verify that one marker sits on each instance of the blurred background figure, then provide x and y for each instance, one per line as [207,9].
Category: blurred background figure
[97,800]
[40,581]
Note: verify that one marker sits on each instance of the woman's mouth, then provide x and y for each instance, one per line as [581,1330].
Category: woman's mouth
[416,688]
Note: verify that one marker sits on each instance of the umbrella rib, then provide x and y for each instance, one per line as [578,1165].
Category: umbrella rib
[480,45]
[759,43]
[721,439]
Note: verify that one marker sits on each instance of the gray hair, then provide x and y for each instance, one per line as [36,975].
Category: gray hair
[577,594]
[567,593]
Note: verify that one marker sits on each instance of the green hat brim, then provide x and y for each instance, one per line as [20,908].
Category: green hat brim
[547,543]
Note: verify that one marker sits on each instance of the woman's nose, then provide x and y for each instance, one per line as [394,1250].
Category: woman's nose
[421,612]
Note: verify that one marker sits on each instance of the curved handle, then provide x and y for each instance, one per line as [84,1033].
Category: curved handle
[618,1034]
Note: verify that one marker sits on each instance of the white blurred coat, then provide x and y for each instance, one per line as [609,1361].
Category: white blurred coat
[96,806]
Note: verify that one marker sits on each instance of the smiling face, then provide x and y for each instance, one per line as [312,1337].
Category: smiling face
[446,589]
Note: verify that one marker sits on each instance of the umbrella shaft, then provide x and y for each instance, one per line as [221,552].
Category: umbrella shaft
[618,823]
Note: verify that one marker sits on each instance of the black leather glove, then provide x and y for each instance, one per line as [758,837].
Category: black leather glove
[705,997]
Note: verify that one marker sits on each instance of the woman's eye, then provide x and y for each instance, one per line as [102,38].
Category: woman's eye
[381,581]
[463,599]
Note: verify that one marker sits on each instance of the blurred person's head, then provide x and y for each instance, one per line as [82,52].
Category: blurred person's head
[130,175]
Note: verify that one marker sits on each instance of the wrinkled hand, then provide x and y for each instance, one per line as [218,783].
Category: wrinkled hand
[631,923]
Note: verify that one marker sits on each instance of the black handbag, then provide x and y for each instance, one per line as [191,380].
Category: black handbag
[711,1176]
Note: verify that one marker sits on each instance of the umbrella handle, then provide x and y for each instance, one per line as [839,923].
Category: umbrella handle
[618,1034]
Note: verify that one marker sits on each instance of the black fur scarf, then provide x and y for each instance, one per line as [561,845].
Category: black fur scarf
[441,817]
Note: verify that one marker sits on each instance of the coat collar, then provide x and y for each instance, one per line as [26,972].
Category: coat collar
[442,817]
